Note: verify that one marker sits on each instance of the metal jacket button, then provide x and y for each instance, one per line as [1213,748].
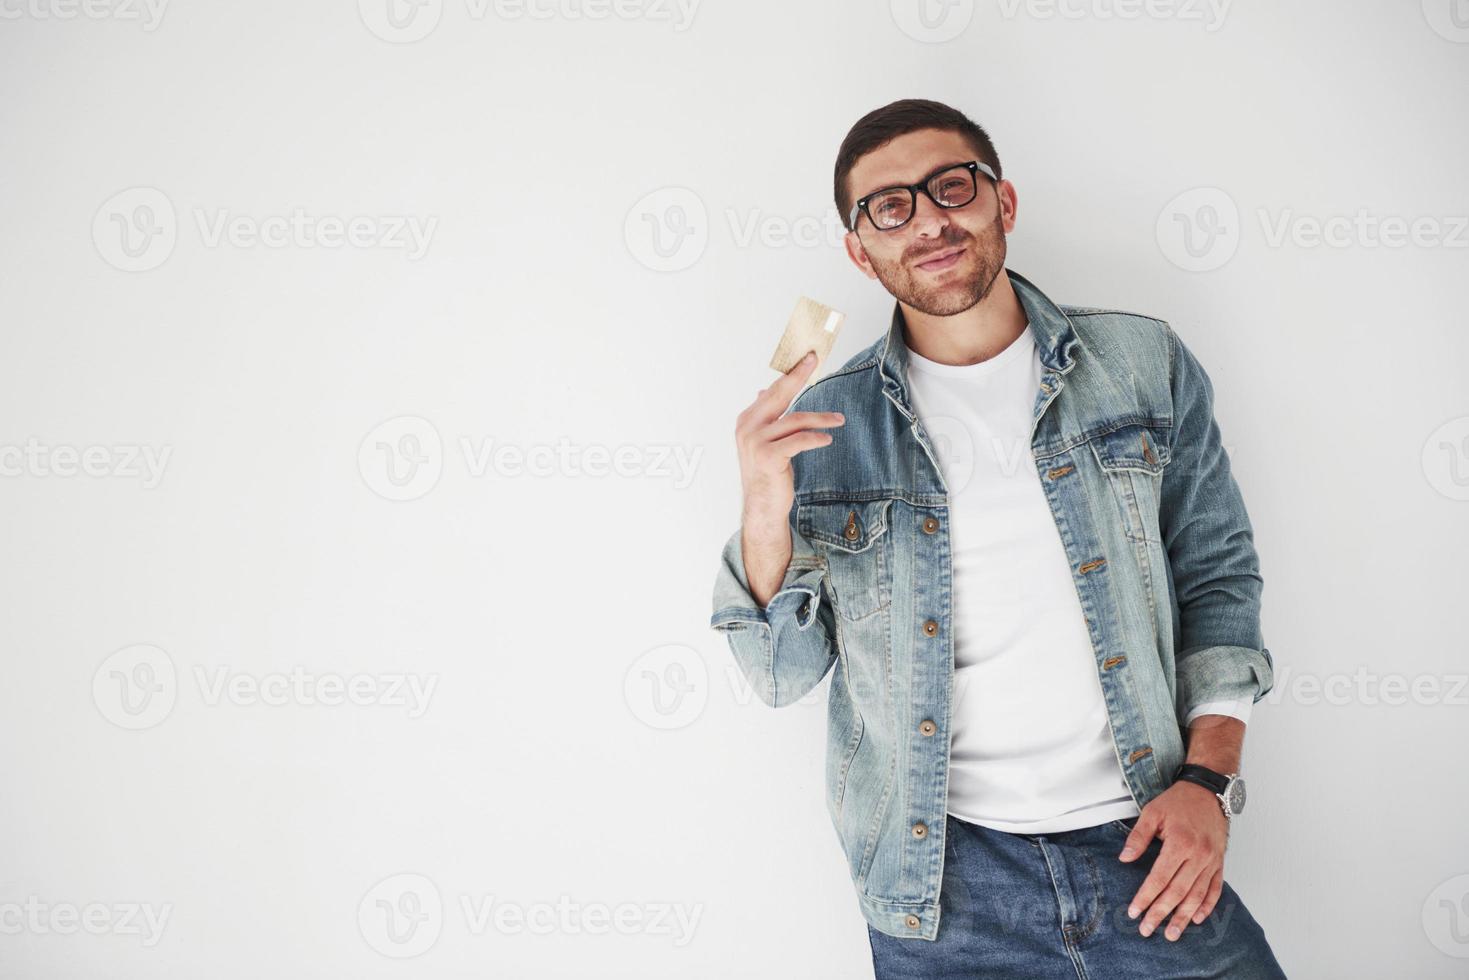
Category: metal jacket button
[920,830]
[912,921]
[930,525]
[930,628]
[927,727]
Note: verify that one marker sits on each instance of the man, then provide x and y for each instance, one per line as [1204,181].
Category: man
[1021,553]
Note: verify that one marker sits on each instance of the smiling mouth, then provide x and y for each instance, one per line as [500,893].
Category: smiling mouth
[945,260]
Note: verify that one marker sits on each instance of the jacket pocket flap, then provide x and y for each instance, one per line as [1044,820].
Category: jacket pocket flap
[1132,447]
[851,525]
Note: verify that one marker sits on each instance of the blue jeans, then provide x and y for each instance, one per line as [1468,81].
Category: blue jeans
[1055,906]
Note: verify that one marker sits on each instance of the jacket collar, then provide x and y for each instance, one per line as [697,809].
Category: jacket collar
[1054,336]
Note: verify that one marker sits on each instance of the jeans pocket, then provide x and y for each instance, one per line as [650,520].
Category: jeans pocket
[1124,826]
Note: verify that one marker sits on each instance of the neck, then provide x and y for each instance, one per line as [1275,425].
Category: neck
[977,334]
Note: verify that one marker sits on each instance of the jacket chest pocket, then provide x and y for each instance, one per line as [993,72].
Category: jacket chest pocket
[853,535]
[1133,458]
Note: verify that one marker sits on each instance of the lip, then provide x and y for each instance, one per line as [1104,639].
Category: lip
[944,260]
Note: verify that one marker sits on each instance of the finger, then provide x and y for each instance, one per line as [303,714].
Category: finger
[1216,888]
[798,443]
[1188,907]
[1168,862]
[1137,842]
[777,398]
[797,421]
[1178,888]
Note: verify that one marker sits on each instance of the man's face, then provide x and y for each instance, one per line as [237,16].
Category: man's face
[896,258]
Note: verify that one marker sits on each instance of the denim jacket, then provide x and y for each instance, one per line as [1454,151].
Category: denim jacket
[1153,525]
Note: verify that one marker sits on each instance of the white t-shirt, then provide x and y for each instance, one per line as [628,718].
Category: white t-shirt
[1031,748]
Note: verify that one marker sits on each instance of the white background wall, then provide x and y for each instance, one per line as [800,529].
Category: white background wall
[587,282]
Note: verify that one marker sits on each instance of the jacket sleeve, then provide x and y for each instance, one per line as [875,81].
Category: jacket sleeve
[1215,571]
[785,648]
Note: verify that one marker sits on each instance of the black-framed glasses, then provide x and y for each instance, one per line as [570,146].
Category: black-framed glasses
[892,207]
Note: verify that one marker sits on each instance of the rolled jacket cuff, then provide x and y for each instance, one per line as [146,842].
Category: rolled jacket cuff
[1223,673]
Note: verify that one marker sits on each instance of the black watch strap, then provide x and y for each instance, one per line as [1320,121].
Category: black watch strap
[1203,775]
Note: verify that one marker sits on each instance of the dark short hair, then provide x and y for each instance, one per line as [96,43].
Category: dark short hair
[881,126]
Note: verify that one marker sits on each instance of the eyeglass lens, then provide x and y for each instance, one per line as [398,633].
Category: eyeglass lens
[953,188]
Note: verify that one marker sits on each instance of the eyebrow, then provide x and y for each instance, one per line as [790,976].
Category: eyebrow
[934,172]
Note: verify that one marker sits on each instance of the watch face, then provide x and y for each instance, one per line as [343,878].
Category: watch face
[1235,794]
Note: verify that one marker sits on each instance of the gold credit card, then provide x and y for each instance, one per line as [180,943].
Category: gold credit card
[813,326]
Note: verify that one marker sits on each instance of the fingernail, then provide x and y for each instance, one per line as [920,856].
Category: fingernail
[1132,912]
[809,358]
[1172,933]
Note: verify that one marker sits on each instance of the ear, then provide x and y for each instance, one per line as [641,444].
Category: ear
[1009,204]
[858,254]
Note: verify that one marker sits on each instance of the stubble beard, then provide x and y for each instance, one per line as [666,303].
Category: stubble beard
[946,299]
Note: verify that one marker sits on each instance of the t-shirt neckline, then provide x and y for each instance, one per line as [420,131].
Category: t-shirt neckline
[1023,343]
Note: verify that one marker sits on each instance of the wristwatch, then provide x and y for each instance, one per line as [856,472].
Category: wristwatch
[1229,787]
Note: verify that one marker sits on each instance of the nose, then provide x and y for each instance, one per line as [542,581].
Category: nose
[929,220]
